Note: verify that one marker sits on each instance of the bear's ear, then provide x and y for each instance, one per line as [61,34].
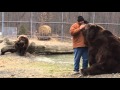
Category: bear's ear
[99,27]
[94,28]
[87,26]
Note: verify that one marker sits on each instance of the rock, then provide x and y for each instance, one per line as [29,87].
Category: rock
[8,42]
[1,41]
[9,48]
[31,48]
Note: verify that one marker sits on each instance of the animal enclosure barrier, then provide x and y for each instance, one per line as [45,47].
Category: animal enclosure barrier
[29,22]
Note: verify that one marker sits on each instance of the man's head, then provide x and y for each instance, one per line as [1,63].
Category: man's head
[80,20]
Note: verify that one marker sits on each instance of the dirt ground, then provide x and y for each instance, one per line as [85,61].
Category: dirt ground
[14,66]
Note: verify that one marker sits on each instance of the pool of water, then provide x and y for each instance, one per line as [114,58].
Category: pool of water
[66,58]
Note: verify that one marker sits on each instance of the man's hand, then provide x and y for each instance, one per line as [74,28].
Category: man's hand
[82,26]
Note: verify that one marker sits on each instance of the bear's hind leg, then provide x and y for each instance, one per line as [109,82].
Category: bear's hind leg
[95,69]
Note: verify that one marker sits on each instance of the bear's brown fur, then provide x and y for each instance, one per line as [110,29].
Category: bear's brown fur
[22,44]
[104,49]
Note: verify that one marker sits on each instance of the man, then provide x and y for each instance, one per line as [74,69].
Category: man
[80,49]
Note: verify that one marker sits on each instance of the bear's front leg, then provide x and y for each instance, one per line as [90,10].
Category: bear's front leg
[22,52]
[95,69]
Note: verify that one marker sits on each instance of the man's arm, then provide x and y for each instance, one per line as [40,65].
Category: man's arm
[74,31]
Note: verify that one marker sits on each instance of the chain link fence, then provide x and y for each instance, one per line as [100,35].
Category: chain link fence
[13,24]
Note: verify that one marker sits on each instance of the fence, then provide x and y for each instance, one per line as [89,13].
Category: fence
[60,22]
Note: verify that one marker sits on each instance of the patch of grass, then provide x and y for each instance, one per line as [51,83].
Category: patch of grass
[23,67]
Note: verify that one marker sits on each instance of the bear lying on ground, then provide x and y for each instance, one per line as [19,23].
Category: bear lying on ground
[20,46]
[104,50]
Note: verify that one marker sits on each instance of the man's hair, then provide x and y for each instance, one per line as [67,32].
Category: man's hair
[80,18]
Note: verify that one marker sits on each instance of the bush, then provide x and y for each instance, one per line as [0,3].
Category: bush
[23,30]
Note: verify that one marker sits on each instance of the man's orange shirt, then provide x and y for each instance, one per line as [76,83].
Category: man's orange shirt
[78,39]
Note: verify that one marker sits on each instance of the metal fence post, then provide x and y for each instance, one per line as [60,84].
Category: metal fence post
[2,23]
[62,26]
[93,17]
[31,23]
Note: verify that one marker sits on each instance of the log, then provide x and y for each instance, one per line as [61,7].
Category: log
[1,41]
[31,48]
[9,48]
[48,49]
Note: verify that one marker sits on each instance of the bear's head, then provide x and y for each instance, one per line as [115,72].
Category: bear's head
[91,31]
[22,41]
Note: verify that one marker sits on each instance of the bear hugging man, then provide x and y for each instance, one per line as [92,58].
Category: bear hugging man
[104,51]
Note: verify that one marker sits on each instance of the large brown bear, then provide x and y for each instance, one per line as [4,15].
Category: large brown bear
[104,50]
[20,46]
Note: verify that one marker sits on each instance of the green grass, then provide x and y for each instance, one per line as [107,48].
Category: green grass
[25,67]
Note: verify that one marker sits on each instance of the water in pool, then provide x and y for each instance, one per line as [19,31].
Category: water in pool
[64,58]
